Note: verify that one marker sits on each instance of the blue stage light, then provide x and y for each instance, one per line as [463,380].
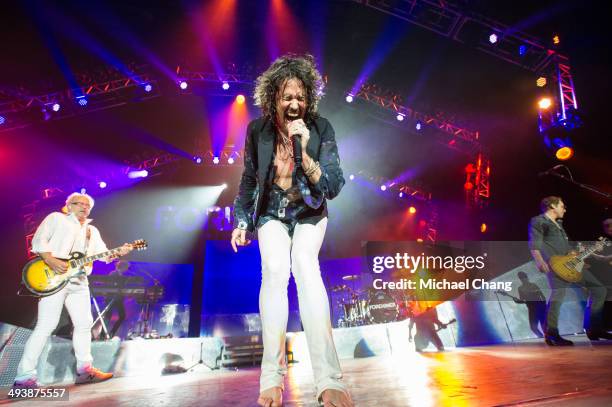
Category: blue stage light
[102,184]
[418,126]
[148,87]
[2,120]
[215,160]
[225,86]
[56,107]
[81,100]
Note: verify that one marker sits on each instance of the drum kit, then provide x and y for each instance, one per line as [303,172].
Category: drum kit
[365,307]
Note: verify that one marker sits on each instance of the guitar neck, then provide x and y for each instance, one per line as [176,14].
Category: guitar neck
[89,259]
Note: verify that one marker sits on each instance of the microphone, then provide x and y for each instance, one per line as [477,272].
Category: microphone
[297,149]
[548,171]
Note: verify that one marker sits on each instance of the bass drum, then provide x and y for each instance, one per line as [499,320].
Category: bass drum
[381,308]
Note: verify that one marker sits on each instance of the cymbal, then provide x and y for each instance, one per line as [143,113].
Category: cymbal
[350,277]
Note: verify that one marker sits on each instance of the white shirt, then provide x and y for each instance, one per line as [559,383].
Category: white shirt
[61,234]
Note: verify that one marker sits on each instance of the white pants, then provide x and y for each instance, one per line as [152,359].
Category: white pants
[279,256]
[77,300]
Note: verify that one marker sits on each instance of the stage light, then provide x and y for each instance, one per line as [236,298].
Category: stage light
[2,120]
[544,103]
[483,227]
[468,186]
[56,107]
[138,174]
[383,187]
[419,240]
[215,160]
[230,160]
[412,210]
[349,98]
[223,186]
[225,86]
[400,117]
[493,38]
[83,190]
[556,39]
[351,177]
[401,194]
[197,159]
[564,153]
[522,49]
[148,87]
[102,184]
[418,126]
[81,100]
[541,82]
[183,85]
[240,99]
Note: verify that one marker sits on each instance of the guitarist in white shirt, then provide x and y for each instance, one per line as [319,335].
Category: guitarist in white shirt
[57,236]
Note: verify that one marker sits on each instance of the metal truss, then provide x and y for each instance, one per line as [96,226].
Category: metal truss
[188,75]
[448,20]
[460,138]
[23,110]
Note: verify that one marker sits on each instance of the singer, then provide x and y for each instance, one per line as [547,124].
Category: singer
[291,167]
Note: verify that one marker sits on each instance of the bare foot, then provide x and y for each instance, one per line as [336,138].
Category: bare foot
[336,398]
[272,397]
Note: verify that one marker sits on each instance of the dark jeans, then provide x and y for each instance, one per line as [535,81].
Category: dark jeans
[597,293]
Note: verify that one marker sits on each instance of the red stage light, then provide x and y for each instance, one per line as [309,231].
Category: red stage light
[468,186]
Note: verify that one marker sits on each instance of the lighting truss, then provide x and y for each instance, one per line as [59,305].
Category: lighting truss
[450,21]
[456,137]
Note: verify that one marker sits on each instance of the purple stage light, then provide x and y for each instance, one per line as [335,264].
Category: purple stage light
[400,117]
[197,159]
[56,107]
[2,120]
[215,160]
[493,38]
[148,87]
[418,126]
[102,184]
[383,187]
[401,194]
[183,85]
[225,86]
[349,98]
[81,100]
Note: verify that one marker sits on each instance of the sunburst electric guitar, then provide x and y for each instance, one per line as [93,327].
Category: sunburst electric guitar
[569,267]
[41,280]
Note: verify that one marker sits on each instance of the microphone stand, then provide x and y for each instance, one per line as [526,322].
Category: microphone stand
[581,185]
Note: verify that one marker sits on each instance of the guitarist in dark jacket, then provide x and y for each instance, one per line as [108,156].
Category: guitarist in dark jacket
[548,238]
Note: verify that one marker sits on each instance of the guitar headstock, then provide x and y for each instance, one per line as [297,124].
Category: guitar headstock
[602,242]
[139,244]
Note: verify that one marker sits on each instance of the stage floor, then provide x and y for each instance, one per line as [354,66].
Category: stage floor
[526,374]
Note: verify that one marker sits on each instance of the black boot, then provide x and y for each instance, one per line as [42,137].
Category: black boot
[552,338]
[597,335]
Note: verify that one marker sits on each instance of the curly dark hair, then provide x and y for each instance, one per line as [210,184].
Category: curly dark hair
[301,67]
